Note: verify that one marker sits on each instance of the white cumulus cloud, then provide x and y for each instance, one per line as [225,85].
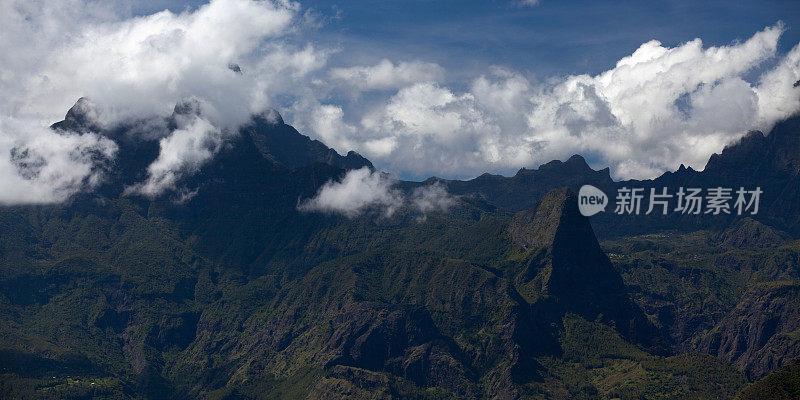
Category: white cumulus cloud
[144,65]
[656,109]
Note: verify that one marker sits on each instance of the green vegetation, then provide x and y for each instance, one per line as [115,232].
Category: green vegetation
[132,301]
[737,302]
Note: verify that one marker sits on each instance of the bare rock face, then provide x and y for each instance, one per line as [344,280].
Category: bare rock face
[762,332]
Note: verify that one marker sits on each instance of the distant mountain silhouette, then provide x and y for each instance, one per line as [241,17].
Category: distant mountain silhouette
[771,162]
[524,189]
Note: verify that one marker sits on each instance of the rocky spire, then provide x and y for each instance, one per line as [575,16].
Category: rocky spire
[565,263]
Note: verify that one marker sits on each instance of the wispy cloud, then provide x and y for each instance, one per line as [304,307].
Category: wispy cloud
[386,75]
[182,153]
[431,198]
[527,3]
[38,165]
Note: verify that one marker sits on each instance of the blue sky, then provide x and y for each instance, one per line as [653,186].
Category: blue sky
[552,38]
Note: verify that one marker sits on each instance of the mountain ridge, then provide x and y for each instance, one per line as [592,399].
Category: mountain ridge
[235,293]
[768,161]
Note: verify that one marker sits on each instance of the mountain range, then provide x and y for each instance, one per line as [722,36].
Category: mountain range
[234,293]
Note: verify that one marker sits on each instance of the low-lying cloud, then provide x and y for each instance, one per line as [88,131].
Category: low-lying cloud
[364,190]
[181,154]
[431,198]
[38,165]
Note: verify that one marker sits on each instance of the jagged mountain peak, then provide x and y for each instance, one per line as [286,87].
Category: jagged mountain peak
[556,229]
[283,144]
[571,172]
[266,134]
[81,117]
[684,168]
[576,163]
[527,186]
[778,152]
[576,159]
